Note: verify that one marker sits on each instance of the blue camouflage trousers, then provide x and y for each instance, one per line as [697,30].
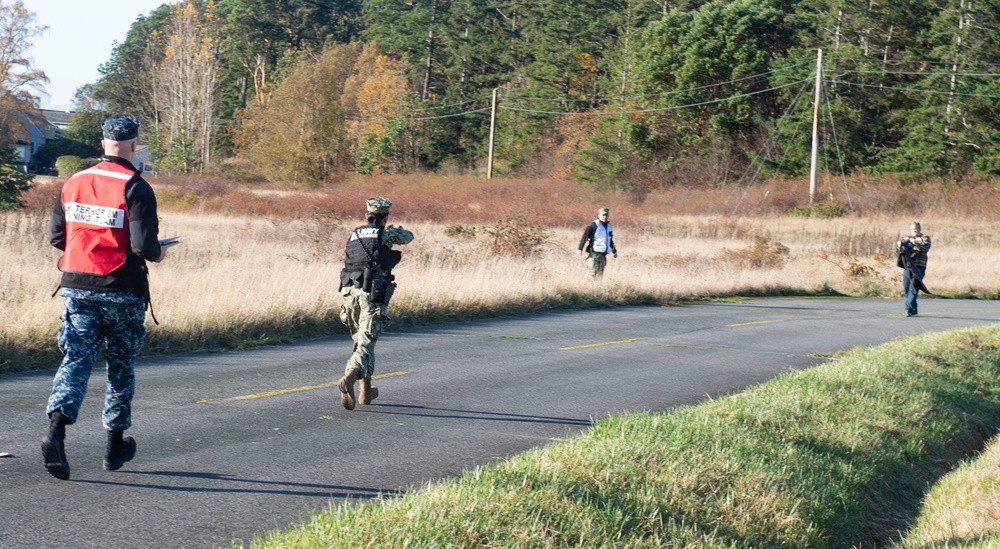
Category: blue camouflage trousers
[90,320]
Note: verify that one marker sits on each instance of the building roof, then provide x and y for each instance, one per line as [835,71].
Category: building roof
[59,119]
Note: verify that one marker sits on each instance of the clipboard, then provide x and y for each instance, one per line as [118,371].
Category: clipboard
[168,242]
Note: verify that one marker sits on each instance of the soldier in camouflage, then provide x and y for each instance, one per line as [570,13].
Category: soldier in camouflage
[105,222]
[913,258]
[366,285]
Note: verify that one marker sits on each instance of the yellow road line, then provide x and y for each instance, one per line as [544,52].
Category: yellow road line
[575,347]
[734,349]
[282,391]
[752,323]
[295,389]
[491,336]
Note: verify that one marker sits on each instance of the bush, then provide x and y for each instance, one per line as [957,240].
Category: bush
[460,231]
[867,279]
[69,165]
[822,210]
[13,182]
[515,237]
[763,254]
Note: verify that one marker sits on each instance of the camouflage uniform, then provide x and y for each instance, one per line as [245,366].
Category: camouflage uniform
[365,319]
[596,263]
[89,320]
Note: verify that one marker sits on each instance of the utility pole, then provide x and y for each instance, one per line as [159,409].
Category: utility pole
[813,166]
[493,123]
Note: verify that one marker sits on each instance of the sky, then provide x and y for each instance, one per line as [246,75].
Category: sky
[79,39]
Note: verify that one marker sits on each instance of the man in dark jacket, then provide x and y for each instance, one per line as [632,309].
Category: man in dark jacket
[105,223]
[912,252]
[598,241]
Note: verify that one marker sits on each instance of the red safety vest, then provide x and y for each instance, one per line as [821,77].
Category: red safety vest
[96,219]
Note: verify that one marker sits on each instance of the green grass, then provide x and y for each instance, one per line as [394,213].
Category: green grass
[970,293]
[840,455]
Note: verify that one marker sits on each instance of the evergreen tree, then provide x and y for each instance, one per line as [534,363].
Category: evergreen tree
[128,78]
[697,62]
[13,182]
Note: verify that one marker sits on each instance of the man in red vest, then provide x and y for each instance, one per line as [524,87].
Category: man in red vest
[105,223]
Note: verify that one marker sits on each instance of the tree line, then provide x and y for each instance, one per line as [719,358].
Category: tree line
[632,93]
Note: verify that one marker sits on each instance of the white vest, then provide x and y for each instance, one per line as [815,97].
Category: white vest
[602,237]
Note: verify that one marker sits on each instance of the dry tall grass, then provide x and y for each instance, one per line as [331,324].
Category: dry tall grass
[261,266]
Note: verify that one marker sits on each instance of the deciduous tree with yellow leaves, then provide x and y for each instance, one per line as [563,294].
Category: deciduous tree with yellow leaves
[377,97]
[299,135]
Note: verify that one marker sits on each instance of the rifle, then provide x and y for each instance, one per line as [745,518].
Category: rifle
[905,249]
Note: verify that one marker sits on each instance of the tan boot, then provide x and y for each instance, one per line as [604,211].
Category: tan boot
[368,392]
[346,386]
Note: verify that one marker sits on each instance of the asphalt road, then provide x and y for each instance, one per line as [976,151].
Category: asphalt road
[236,444]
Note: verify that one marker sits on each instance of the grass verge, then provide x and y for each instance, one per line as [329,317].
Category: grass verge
[840,455]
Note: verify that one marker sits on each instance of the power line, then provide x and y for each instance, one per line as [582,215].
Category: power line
[664,94]
[607,100]
[660,109]
[915,62]
[463,113]
[592,112]
[918,90]
[451,105]
[769,146]
[588,112]
[419,118]
[836,142]
[912,73]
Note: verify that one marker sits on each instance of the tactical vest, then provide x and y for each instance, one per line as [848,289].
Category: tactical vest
[96,220]
[366,241]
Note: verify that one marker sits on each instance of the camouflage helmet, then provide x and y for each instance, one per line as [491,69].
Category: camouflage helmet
[378,205]
[602,211]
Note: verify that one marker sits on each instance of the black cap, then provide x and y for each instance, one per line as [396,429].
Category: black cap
[120,127]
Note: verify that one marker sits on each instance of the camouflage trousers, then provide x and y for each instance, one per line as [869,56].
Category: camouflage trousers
[596,263]
[90,320]
[365,320]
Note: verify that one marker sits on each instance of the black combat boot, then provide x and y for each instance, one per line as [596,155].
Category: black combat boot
[346,386]
[120,449]
[53,447]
